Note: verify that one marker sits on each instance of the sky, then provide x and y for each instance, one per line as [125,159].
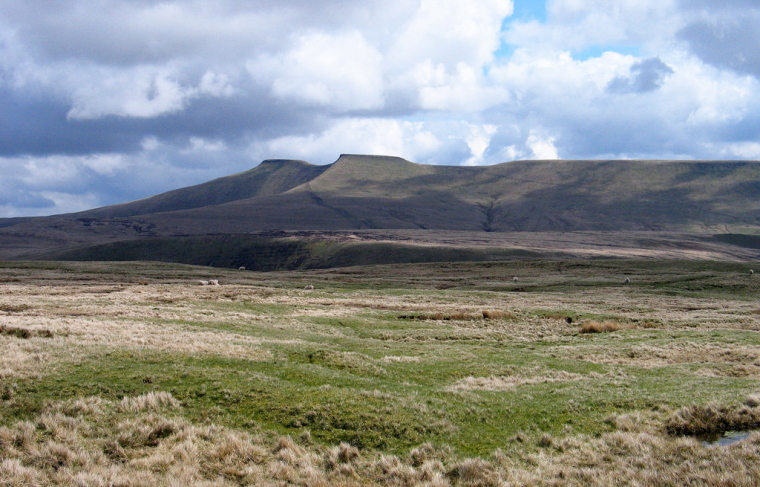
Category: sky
[107,101]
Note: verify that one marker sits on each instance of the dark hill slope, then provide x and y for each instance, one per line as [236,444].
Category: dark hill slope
[269,178]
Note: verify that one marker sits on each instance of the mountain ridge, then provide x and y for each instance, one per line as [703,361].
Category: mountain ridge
[362,193]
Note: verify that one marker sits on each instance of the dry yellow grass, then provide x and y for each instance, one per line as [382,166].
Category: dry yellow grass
[603,326]
[500,383]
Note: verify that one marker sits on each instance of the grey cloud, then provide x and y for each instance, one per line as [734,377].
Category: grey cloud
[34,123]
[19,197]
[616,136]
[646,75]
[451,153]
[728,41]
[128,32]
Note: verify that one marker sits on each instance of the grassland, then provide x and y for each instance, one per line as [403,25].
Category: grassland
[429,374]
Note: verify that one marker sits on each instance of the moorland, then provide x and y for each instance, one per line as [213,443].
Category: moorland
[522,372]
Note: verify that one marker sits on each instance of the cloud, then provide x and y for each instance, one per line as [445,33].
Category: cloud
[646,75]
[727,40]
[575,25]
[343,72]
[448,32]
[542,147]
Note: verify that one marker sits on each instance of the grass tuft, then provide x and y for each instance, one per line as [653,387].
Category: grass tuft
[714,418]
[24,333]
[603,326]
[498,315]
[151,401]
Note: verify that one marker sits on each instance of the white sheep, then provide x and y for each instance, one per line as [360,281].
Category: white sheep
[751,271]
[241,268]
[515,279]
[627,281]
[213,282]
[203,283]
[309,287]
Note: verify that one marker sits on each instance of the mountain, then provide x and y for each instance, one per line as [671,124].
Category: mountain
[365,192]
[376,193]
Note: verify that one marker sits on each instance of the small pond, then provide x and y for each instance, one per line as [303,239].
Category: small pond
[723,439]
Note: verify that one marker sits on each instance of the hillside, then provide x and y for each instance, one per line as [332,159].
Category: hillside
[369,193]
[390,193]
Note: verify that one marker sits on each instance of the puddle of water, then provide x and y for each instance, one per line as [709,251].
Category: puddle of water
[723,439]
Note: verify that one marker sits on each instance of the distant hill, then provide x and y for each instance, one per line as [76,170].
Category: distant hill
[362,193]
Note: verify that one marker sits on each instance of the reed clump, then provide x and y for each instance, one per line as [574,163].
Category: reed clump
[603,326]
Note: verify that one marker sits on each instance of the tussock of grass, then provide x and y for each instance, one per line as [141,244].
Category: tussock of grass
[151,401]
[498,315]
[557,315]
[10,308]
[603,326]
[24,333]
[715,418]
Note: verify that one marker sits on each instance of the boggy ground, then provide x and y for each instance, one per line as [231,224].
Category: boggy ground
[440,374]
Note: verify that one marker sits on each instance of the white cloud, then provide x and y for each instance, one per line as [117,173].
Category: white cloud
[144,92]
[542,146]
[205,145]
[339,71]
[449,32]
[465,91]
[141,92]
[478,141]
[578,24]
